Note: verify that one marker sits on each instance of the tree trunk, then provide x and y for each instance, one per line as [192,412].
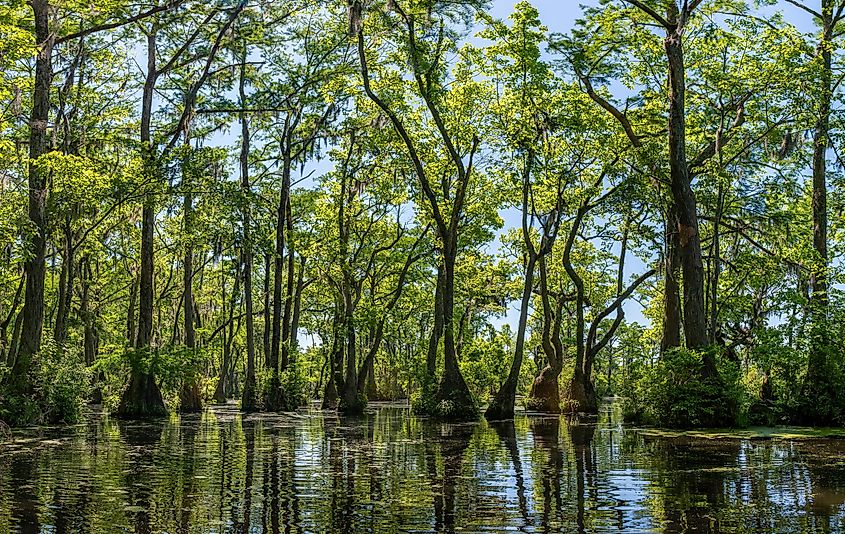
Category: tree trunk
[65,287]
[717,265]
[545,392]
[580,394]
[274,398]
[817,366]
[689,239]
[224,382]
[91,338]
[249,402]
[268,322]
[35,267]
[190,397]
[7,352]
[437,331]
[290,295]
[350,401]
[330,395]
[671,286]
[371,388]
[142,397]
[131,332]
[453,396]
[502,406]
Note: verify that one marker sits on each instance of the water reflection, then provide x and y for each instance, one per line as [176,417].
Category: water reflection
[391,472]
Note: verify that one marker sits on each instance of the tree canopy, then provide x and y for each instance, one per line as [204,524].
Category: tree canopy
[278,201]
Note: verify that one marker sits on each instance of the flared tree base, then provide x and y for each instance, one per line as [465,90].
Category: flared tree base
[329,397]
[501,408]
[273,401]
[580,395]
[545,393]
[453,401]
[352,403]
[141,398]
[249,402]
[190,398]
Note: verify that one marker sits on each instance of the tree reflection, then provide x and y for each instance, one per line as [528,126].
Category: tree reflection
[249,449]
[452,441]
[507,436]
[390,471]
[25,499]
[581,437]
[546,433]
[140,440]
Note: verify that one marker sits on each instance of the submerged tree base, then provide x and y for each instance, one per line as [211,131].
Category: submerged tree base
[329,401]
[352,404]
[249,402]
[454,401]
[141,398]
[580,395]
[446,401]
[545,394]
[501,408]
[190,398]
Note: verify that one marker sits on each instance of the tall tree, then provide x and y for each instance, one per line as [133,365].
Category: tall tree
[425,56]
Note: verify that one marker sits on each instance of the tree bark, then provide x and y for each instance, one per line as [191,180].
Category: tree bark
[274,398]
[131,332]
[268,322]
[142,397]
[190,397]
[502,406]
[689,239]
[35,267]
[65,286]
[545,392]
[671,285]
[437,331]
[817,370]
[580,394]
[249,402]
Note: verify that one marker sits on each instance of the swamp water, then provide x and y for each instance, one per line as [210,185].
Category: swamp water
[392,472]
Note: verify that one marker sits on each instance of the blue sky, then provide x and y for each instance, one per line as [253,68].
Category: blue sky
[558,15]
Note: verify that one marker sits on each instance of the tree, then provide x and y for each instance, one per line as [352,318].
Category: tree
[446,209]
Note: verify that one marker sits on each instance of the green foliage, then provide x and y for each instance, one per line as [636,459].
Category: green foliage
[787,367]
[515,120]
[424,399]
[290,390]
[674,393]
[485,364]
[294,386]
[453,410]
[64,384]
[60,385]
[172,364]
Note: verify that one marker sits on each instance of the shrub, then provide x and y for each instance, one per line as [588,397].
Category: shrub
[64,382]
[484,365]
[675,393]
[424,399]
[294,387]
[60,383]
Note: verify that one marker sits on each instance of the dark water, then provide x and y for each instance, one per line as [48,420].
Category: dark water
[391,472]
